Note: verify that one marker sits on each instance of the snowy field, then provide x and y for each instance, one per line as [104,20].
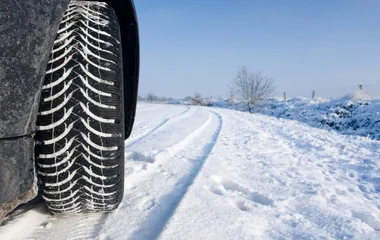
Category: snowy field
[353,114]
[211,173]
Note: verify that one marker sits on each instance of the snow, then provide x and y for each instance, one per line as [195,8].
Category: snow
[212,173]
[354,114]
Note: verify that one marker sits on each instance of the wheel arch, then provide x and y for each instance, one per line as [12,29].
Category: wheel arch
[126,13]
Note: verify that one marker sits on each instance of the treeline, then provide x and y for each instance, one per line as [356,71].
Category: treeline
[154,98]
[249,87]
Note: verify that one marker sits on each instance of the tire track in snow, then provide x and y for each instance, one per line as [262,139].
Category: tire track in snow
[135,139]
[160,215]
[159,158]
[155,193]
[149,108]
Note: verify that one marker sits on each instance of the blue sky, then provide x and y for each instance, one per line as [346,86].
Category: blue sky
[190,46]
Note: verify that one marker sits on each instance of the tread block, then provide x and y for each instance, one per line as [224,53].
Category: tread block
[80,127]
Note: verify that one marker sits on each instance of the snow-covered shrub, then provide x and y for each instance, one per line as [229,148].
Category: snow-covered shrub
[355,114]
[347,115]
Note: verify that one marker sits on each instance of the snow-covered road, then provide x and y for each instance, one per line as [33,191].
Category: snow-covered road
[207,173]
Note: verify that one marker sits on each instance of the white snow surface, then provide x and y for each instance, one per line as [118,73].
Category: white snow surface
[211,173]
[354,114]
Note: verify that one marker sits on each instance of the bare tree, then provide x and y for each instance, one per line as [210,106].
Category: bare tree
[197,99]
[252,87]
[151,97]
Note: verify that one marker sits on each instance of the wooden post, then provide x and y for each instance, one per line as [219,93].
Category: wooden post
[284,96]
[360,87]
[313,95]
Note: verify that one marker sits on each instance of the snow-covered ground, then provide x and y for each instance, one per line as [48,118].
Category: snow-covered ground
[354,114]
[211,173]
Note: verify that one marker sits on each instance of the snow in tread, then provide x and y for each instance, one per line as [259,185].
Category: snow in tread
[79,150]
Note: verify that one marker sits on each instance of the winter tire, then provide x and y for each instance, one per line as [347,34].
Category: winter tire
[80,126]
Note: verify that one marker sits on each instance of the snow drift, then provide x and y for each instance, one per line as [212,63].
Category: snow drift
[355,114]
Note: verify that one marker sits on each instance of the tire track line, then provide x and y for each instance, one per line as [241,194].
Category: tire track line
[169,152]
[161,215]
[149,108]
[148,132]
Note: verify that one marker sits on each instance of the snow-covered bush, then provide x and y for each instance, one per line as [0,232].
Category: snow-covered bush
[346,115]
[355,114]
